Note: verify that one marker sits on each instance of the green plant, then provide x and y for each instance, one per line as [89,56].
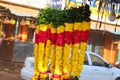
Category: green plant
[59,17]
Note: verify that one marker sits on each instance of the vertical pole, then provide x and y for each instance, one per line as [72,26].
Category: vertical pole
[90,47]
[16,30]
[119,51]
[64,4]
[111,53]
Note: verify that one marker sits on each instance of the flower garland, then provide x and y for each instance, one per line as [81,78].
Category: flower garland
[67,50]
[75,50]
[59,51]
[36,72]
[41,51]
[63,47]
[52,49]
[47,53]
[84,31]
[47,48]
[42,41]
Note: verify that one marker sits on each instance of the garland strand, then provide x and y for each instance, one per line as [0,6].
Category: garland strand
[67,50]
[59,51]
[52,49]
[75,50]
[36,47]
[83,44]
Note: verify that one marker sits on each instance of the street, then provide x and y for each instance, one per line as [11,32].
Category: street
[10,70]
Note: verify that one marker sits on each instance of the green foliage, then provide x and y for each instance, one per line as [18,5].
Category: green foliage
[45,16]
[59,17]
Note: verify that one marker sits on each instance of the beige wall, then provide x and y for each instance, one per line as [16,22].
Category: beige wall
[105,26]
[20,10]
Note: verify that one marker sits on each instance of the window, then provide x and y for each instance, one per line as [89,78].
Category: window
[8,31]
[24,33]
[86,60]
[96,61]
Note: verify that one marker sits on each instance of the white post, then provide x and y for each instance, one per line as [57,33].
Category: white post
[16,30]
[64,4]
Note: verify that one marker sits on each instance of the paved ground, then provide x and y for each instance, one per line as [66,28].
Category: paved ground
[10,70]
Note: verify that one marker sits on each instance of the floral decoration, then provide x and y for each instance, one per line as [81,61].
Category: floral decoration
[60,43]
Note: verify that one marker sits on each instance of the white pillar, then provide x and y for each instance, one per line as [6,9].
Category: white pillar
[16,30]
[64,4]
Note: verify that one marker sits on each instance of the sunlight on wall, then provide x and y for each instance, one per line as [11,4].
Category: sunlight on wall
[34,3]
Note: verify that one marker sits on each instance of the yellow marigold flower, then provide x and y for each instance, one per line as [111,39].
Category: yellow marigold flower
[75,59]
[60,29]
[53,30]
[41,47]
[47,53]
[35,48]
[52,58]
[69,27]
[83,46]
[66,59]
[35,58]
[76,26]
[75,46]
[37,29]
[80,25]
[40,57]
[58,60]
[56,79]
[35,77]
[86,25]
[43,27]
[43,75]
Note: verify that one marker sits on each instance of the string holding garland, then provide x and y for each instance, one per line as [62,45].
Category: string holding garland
[61,41]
